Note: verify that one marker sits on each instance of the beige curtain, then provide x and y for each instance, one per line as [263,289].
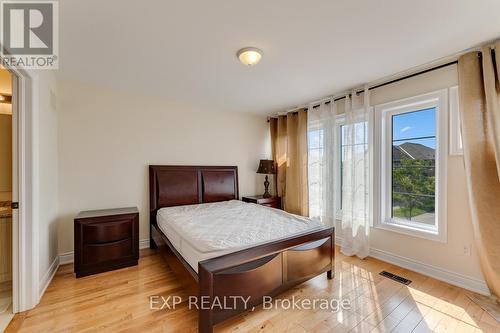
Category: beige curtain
[480,118]
[273,128]
[280,155]
[289,141]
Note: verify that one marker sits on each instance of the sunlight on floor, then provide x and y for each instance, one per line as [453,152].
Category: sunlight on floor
[118,301]
[381,305]
[377,304]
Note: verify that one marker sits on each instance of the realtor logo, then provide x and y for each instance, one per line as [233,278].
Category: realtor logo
[28,34]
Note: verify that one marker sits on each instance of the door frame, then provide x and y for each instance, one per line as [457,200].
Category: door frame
[25,275]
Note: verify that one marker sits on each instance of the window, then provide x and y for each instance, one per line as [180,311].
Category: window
[410,157]
[359,145]
[317,164]
[413,166]
[315,145]
[339,158]
[342,147]
[322,139]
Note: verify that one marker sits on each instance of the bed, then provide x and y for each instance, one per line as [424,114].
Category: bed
[221,248]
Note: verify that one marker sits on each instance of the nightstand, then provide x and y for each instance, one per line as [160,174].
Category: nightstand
[106,240]
[274,202]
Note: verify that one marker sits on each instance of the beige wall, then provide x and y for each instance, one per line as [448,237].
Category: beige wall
[107,140]
[5,82]
[446,256]
[5,88]
[5,154]
[5,177]
[5,138]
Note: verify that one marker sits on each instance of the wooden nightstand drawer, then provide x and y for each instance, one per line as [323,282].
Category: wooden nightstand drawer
[274,202]
[272,205]
[96,253]
[106,240]
[107,232]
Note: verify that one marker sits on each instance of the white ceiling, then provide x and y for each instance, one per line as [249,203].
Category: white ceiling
[185,50]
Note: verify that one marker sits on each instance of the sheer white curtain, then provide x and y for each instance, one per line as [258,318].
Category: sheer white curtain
[355,224]
[321,144]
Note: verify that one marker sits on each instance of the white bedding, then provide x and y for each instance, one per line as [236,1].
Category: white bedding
[205,231]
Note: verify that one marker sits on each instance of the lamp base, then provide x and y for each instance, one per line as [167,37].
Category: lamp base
[266,189]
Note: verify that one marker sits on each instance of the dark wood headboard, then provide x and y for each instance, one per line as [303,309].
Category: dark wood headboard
[174,185]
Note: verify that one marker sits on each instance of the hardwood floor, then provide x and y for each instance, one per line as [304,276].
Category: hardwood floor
[118,301]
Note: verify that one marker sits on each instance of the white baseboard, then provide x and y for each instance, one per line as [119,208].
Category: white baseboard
[456,279]
[144,244]
[66,258]
[69,257]
[47,277]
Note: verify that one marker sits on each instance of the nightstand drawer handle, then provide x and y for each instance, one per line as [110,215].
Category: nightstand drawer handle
[107,232]
[95,253]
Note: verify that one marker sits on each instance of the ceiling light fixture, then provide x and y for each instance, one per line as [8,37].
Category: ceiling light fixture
[249,56]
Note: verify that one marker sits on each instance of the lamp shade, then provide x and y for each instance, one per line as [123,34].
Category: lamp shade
[266,167]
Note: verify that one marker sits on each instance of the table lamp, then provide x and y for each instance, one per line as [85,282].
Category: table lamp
[266,167]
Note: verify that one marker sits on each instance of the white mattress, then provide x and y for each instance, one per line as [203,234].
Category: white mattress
[205,231]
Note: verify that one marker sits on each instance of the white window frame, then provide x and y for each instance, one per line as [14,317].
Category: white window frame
[382,159]
[339,122]
[311,128]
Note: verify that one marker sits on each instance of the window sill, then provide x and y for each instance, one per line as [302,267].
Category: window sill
[431,234]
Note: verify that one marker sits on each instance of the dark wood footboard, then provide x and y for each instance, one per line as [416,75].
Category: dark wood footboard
[264,270]
[250,274]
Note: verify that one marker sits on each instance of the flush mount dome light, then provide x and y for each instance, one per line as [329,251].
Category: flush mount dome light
[249,56]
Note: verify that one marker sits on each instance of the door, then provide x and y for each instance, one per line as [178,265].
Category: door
[7,164]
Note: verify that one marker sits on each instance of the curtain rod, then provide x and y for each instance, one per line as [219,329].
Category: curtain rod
[394,81]
[477,48]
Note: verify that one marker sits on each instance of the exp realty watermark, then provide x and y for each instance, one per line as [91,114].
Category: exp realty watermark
[240,302]
[29,36]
